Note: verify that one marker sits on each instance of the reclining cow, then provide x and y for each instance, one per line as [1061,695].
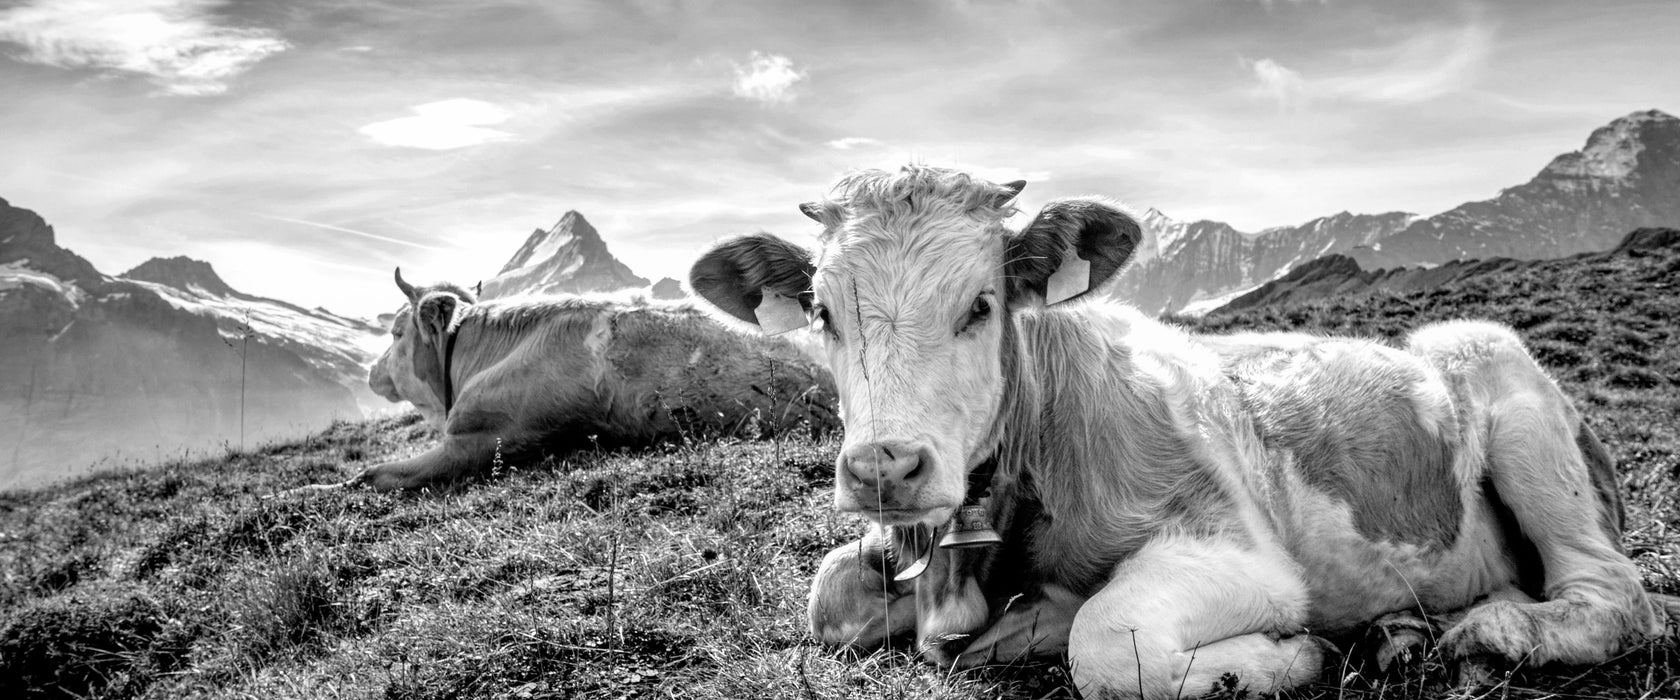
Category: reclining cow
[1175,509]
[529,374]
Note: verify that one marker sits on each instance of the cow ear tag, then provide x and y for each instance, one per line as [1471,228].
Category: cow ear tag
[778,314]
[1072,279]
[971,528]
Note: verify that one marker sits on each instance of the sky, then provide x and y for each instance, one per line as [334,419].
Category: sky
[306,148]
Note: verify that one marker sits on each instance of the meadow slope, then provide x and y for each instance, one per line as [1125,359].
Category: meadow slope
[678,571]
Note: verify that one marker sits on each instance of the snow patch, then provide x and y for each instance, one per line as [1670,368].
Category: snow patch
[16,274]
[343,347]
[1201,307]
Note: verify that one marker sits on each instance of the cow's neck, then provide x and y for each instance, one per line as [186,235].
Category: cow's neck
[1098,441]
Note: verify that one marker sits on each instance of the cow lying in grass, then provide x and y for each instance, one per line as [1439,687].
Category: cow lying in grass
[1176,509]
[525,375]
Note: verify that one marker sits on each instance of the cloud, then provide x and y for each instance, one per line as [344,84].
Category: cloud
[1278,81]
[442,126]
[767,78]
[1422,67]
[351,231]
[175,43]
[850,142]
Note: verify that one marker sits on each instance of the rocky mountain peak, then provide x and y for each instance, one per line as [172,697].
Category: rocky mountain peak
[180,272]
[27,239]
[569,257]
[1614,150]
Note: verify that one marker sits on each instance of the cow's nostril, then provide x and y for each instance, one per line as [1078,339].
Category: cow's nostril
[915,470]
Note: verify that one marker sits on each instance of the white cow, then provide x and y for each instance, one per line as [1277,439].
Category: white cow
[1176,509]
[525,375]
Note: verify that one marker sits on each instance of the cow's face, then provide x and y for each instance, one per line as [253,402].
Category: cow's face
[911,293]
[411,369]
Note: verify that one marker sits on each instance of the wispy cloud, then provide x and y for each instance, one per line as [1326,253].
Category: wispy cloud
[175,43]
[767,78]
[1277,81]
[442,126]
[1422,67]
[351,231]
[850,142]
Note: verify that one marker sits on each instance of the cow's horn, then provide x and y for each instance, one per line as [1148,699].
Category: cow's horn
[407,289]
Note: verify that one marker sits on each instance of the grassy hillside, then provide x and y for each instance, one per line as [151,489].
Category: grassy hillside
[677,572]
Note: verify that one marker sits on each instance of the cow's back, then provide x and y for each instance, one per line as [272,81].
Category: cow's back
[1366,424]
[673,365]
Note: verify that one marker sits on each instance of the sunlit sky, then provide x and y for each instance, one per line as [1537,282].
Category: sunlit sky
[306,147]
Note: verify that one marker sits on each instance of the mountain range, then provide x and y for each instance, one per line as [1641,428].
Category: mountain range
[162,358]
[1626,176]
[167,357]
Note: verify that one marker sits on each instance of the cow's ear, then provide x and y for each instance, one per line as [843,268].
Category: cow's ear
[1072,247]
[758,279]
[434,314]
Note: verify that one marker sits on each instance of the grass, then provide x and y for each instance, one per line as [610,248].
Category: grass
[676,572]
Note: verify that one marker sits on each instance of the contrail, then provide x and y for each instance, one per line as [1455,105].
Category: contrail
[352,231]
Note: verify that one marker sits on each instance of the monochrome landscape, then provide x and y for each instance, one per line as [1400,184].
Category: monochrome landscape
[168,387]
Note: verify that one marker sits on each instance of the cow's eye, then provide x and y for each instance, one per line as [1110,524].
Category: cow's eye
[823,322]
[978,312]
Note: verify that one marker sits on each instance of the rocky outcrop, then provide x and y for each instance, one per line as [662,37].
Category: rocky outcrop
[667,288]
[1341,277]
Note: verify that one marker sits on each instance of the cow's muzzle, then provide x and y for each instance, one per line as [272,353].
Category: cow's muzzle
[886,479]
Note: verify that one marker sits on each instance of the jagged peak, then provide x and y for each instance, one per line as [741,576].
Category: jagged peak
[180,272]
[572,222]
[1612,151]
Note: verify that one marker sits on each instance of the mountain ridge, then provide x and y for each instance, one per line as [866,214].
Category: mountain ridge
[165,357]
[1625,177]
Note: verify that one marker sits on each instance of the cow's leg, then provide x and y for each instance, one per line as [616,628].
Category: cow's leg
[854,603]
[1594,602]
[1183,616]
[1028,628]
[455,456]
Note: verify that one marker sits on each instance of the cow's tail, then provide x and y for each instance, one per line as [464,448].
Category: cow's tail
[1601,467]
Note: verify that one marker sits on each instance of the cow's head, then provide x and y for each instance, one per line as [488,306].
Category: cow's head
[412,368]
[912,291]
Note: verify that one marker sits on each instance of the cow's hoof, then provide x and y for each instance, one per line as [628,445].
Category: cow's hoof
[1401,640]
[1500,629]
[1474,673]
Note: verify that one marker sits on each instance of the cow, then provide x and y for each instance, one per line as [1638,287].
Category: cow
[1175,510]
[528,374]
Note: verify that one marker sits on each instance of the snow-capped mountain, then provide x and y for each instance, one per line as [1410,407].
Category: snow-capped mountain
[568,258]
[339,346]
[1627,176]
[1185,265]
[158,361]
